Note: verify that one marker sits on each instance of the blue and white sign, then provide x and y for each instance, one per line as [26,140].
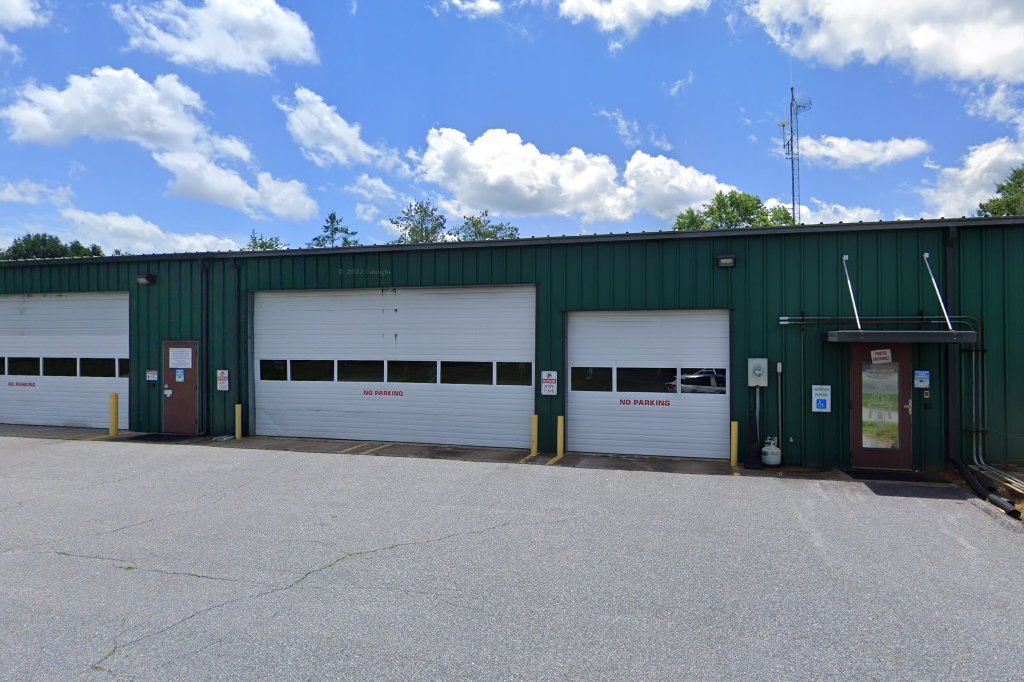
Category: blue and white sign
[821,398]
[922,378]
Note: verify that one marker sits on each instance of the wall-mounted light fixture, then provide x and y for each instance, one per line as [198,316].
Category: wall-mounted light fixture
[146,279]
[725,260]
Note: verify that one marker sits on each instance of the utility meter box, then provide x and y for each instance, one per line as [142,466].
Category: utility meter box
[757,371]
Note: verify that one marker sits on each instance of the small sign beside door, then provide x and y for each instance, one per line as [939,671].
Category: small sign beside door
[152,375]
[821,398]
[222,380]
[922,378]
[548,382]
[882,356]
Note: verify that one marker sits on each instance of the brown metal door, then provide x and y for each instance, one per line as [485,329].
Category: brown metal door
[881,403]
[181,387]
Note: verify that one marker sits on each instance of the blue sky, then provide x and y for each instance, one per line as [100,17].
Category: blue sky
[171,125]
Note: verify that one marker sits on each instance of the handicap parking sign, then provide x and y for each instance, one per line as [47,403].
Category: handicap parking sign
[821,398]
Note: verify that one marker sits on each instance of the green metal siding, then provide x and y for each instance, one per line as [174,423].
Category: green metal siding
[991,273]
[788,272]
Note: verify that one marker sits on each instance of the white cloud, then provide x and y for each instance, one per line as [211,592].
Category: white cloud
[977,40]
[842,152]
[658,140]
[324,137]
[33,193]
[1001,103]
[665,187]
[500,172]
[367,212]
[474,9]
[17,14]
[958,190]
[373,189]
[160,117]
[628,131]
[675,88]
[240,35]
[823,212]
[133,234]
[626,16]
[197,177]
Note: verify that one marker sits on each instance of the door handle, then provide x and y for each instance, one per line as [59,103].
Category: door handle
[909,407]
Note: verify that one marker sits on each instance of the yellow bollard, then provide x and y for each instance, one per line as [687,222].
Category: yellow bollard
[533,436]
[561,441]
[112,432]
[238,421]
[734,444]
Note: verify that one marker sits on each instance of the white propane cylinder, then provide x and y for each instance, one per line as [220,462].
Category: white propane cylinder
[771,455]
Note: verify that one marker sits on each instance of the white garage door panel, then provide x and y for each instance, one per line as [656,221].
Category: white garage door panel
[427,413]
[62,401]
[472,324]
[679,424]
[63,326]
[402,324]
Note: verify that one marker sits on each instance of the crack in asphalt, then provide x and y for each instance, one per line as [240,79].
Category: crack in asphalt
[98,665]
[129,565]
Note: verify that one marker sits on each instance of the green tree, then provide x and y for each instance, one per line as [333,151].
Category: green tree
[480,228]
[1009,199]
[42,245]
[260,242]
[733,209]
[334,233]
[421,223]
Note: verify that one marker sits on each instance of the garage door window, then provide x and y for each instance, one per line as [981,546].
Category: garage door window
[312,370]
[646,380]
[591,379]
[361,370]
[515,373]
[60,367]
[274,370]
[703,380]
[412,371]
[467,373]
[96,367]
[3,366]
[26,367]
[123,367]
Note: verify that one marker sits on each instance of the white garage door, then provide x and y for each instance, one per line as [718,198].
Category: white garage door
[451,365]
[649,383]
[62,357]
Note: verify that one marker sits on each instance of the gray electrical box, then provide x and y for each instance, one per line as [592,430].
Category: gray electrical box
[757,371]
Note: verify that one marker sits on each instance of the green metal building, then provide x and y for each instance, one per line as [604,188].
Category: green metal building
[645,343]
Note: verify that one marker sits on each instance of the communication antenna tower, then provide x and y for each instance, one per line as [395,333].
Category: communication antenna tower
[791,145]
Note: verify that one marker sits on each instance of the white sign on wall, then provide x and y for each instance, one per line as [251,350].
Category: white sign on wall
[222,380]
[548,382]
[821,398]
[179,358]
[881,357]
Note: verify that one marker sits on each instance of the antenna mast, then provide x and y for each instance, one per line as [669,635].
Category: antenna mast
[791,145]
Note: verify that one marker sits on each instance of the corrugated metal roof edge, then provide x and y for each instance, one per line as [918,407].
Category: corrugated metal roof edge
[923,223]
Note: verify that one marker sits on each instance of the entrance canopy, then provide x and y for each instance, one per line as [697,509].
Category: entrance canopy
[901,336]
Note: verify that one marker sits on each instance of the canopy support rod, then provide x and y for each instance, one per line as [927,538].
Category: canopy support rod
[938,294]
[849,285]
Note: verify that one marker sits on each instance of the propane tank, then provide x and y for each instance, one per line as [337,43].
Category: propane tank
[771,455]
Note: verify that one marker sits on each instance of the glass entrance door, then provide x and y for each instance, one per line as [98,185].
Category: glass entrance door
[882,407]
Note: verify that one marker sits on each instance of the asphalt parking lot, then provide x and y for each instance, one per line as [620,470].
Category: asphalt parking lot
[151,561]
